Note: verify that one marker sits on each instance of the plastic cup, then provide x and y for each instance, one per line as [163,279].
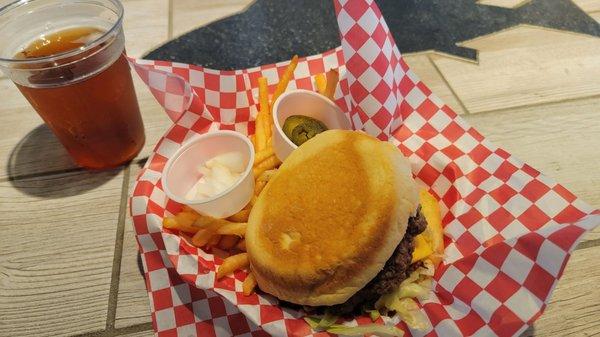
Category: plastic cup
[84,94]
[306,103]
[181,173]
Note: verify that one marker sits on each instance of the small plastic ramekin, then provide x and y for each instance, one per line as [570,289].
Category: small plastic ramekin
[306,103]
[182,172]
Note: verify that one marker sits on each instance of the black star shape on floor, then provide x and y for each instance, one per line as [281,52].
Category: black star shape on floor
[272,30]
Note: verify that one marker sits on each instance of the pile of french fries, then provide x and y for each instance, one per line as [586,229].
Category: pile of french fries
[225,237]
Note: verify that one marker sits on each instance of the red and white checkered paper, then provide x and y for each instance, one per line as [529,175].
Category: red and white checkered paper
[509,230]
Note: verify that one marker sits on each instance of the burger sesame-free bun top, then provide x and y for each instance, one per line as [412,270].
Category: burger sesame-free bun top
[330,218]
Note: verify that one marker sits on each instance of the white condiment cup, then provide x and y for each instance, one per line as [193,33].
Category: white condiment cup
[306,103]
[182,172]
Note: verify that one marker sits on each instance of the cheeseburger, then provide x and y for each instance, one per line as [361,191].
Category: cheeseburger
[335,227]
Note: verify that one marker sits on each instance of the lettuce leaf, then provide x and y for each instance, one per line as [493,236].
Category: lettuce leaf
[417,285]
[313,322]
[376,329]
[413,290]
[411,314]
[327,321]
[321,323]
[374,314]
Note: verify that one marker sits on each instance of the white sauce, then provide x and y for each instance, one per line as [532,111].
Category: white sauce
[218,174]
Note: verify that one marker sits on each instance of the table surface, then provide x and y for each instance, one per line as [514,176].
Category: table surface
[68,257]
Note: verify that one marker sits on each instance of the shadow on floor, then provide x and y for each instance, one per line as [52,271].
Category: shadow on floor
[140,264]
[529,332]
[271,30]
[40,166]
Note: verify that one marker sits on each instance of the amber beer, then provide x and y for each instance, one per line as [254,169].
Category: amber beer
[78,79]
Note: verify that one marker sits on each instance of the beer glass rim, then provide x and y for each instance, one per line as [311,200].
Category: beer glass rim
[74,52]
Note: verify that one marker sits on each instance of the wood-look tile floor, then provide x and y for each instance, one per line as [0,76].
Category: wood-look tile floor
[68,258]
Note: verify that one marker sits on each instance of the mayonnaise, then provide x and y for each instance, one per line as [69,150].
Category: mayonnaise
[218,174]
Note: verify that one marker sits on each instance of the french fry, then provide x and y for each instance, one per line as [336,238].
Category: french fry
[232,264]
[285,78]
[332,81]
[262,118]
[257,171]
[183,221]
[207,228]
[258,187]
[268,164]
[203,236]
[214,240]
[241,245]
[249,284]
[253,200]
[186,218]
[220,252]
[204,221]
[228,242]
[238,229]
[263,155]
[170,222]
[266,175]
[241,216]
[321,83]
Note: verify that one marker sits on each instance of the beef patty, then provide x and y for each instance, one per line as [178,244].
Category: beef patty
[397,268]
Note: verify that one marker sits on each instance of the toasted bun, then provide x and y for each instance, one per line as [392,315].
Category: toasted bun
[330,218]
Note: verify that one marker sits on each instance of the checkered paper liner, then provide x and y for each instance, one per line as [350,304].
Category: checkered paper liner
[509,230]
